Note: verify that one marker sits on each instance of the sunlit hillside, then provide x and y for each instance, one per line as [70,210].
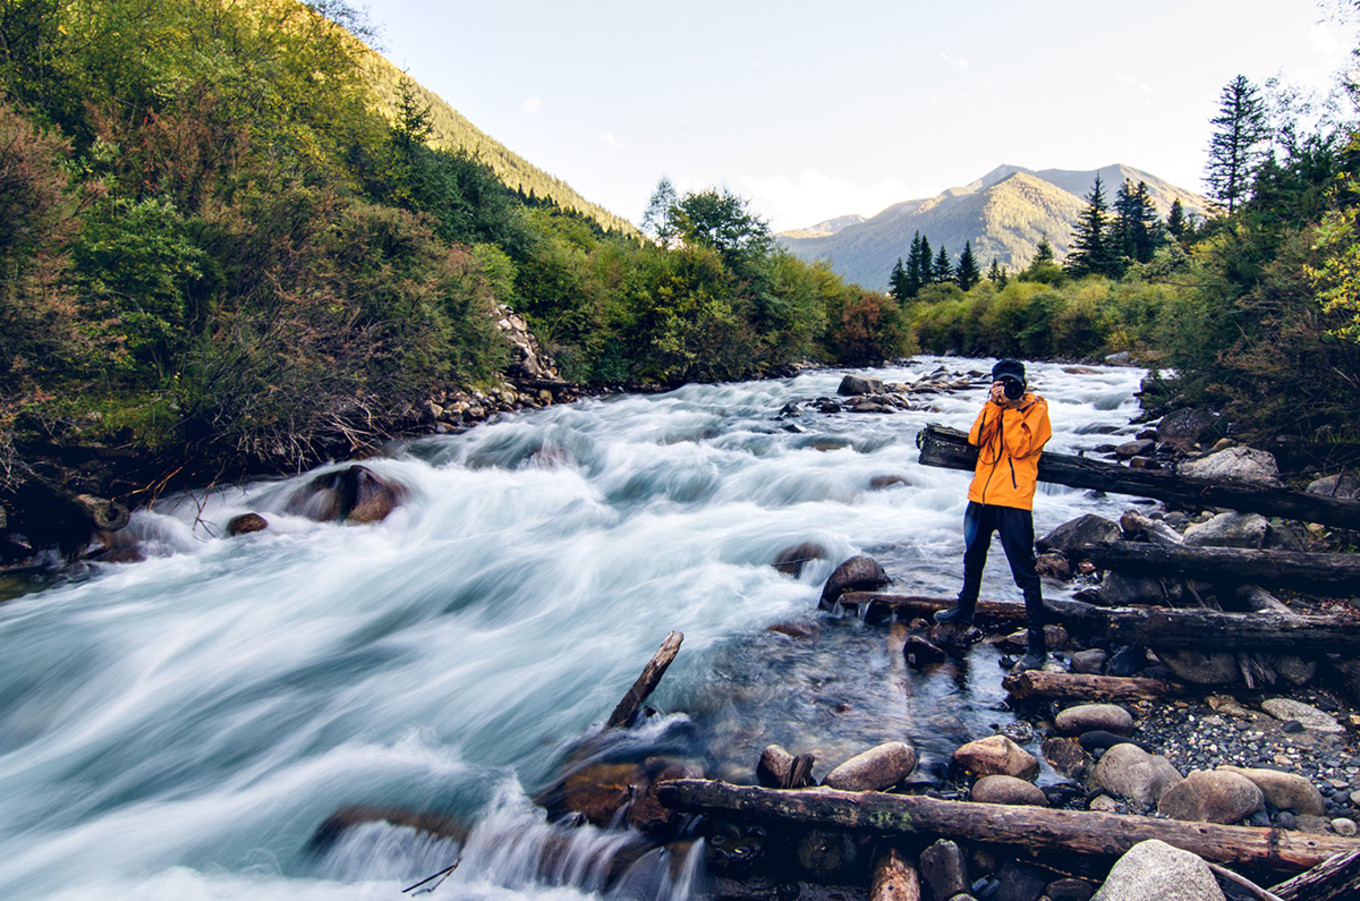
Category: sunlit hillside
[453,131]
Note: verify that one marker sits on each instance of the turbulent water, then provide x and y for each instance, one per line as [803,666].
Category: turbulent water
[179,728]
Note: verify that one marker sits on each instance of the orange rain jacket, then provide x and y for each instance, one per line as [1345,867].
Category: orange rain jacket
[1009,443]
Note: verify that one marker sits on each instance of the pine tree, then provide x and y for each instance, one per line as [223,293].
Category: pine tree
[942,271]
[919,266]
[1092,250]
[1175,221]
[659,218]
[967,274]
[1235,148]
[1136,233]
[1043,253]
[997,274]
[897,282]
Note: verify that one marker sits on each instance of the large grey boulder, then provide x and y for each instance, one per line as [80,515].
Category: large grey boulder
[1194,666]
[1237,464]
[1340,485]
[1188,426]
[853,385]
[1245,530]
[1155,871]
[1130,772]
[1068,538]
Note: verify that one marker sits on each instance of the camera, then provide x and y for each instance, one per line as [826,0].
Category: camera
[1012,387]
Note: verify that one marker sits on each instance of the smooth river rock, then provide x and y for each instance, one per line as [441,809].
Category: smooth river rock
[1130,772]
[1217,796]
[1008,790]
[874,770]
[996,755]
[1155,871]
[1085,717]
[1285,791]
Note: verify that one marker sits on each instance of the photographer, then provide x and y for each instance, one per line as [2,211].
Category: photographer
[1009,433]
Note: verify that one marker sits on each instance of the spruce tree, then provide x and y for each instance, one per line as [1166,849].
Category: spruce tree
[897,282]
[1092,245]
[1235,148]
[997,274]
[943,270]
[967,274]
[1175,221]
[922,271]
[1043,253]
[916,273]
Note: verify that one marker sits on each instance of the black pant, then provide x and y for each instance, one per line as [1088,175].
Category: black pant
[1016,528]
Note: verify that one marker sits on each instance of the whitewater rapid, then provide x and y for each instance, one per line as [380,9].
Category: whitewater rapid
[178,728]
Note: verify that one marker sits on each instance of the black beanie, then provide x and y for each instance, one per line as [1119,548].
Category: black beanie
[1013,368]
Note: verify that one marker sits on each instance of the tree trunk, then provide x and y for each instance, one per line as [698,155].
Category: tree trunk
[895,879]
[1069,686]
[911,606]
[1296,569]
[950,449]
[646,682]
[1033,828]
[1337,879]
[1175,627]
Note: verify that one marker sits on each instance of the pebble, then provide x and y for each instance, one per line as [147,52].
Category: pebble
[1345,826]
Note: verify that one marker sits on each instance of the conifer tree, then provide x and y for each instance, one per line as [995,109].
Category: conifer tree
[1175,220]
[919,264]
[1092,250]
[897,282]
[967,274]
[1235,148]
[997,274]
[942,271]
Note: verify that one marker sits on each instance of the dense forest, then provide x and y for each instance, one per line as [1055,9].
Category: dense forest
[224,240]
[1251,312]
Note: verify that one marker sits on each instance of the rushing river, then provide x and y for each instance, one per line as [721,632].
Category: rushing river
[178,728]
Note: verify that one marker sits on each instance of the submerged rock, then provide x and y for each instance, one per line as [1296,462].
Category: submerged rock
[246,523]
[355,494]
[791,560]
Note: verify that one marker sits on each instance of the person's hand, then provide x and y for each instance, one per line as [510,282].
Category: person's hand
[998,394]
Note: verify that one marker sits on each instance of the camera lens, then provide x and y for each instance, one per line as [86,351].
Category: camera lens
[1013,387]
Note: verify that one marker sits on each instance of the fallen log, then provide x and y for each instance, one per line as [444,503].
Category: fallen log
[949,448]
[907,607]
[1337,879]
[1037,829]
[1067,686]
[646,682]
[1296,569]
[1178,627]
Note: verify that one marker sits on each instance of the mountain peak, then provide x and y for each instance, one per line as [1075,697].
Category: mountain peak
[1005,214]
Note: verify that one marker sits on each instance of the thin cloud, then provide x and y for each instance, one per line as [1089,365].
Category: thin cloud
[531,106]
[957,63]
[610,140]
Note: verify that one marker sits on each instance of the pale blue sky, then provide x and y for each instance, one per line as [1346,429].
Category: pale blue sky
[814,110]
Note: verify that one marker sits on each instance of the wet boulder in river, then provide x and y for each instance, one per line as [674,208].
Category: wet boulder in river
[861,573]
[355,494]
[791,560]
[877,769]
[1069,538]
[853,385]
[246,523]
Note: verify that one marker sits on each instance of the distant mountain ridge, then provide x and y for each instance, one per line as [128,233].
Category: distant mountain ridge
[1005,214]
[453,131]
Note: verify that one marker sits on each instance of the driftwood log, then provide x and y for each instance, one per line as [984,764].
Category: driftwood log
[949,448]
[1068,686]
[646,682]
[1164,627]
[1337,879]
[894,879]
[1295,569]
[1034,828]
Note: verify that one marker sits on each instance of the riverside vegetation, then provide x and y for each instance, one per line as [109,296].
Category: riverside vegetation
[221,254]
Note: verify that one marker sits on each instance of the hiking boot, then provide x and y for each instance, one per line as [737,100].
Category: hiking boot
[954,616]
[1031,660]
